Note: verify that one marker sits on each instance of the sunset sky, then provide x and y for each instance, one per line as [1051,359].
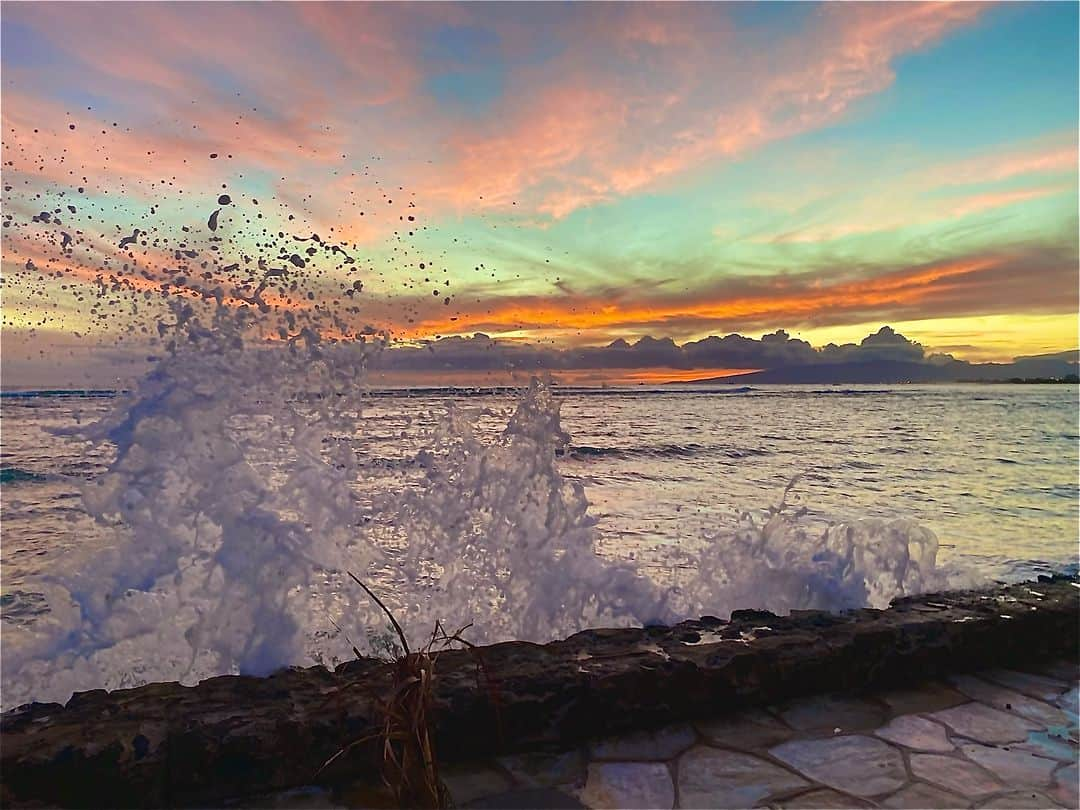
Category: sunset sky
[581,173]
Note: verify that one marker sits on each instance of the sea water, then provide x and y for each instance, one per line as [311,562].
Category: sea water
[182,530]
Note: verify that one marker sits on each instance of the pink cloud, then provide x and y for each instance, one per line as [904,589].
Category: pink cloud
[599,135]
[628,102]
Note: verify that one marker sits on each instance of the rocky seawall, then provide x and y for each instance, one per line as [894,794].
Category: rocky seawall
[235,736]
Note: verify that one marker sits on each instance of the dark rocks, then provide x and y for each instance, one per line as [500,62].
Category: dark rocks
[235,736]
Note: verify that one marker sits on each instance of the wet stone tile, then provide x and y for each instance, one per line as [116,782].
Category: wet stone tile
[918,796]
[822,799]
[467,783]
[831,712]
[1009,700]
[630,785]
[1066,789]
[862,766]
[1070,701]
[954,774]
[542,769]
[929,697]
[746,731]
[985,724]
[918,733]
[710,778]
[1057,744]
[1020,799]
[1040,687]
[1011,766]
[664,744]
[529,799]
[302,798]
[371,795]
[1064,671]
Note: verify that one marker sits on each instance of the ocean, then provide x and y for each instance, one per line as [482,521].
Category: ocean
[645,483]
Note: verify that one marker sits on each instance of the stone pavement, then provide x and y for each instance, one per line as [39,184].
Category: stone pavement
[998,739]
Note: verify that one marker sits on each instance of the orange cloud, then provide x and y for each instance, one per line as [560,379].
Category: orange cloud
[739,305]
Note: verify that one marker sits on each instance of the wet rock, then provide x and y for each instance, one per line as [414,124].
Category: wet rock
[1066,789]
[659,745]
[1064,671]
[923,698]
[236,736]
[832,712]
[822,799]
[1006,699]
[1020,799]
[1070,701]
[712,778]
[918,796]
[630,785]
[912,731]
[1040,687]
[861,766]
[529,799]
[467,783]
[954,774]
[978,722]
[304,798]
[1050,745]
[746,731]
[1010,766]
[542,769]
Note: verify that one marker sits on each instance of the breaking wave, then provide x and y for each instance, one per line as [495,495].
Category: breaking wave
[239,495]
[239,505]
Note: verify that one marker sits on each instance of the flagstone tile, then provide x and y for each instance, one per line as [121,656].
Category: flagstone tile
[1067,671]
[663,744]
[711,778]
[918,796]
[1040,687]
[1001,697]
[628,786]
[746,731]
[1020,800]
[822,799]
[468,782]
[1011,766]
[1070,701]
[1066,789]
[542,769]
[528,799]
[954,774]
[985,724]
[303,798]
[1054,744]
[831,712]
[912,731]
[862,766]
[924,698]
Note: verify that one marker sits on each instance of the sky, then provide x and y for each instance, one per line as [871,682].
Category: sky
[563,174]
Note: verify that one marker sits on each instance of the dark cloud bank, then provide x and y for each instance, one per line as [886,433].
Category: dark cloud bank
[883,357]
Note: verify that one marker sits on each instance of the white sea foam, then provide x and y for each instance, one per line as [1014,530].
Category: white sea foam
[237,501]
[230,554]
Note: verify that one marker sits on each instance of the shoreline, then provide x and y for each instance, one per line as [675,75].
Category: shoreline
[236,736]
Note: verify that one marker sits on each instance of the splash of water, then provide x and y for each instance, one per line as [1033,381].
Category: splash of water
[238,499]
[226,562]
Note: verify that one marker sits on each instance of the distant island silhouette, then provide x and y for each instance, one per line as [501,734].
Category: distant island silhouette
[884,357]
